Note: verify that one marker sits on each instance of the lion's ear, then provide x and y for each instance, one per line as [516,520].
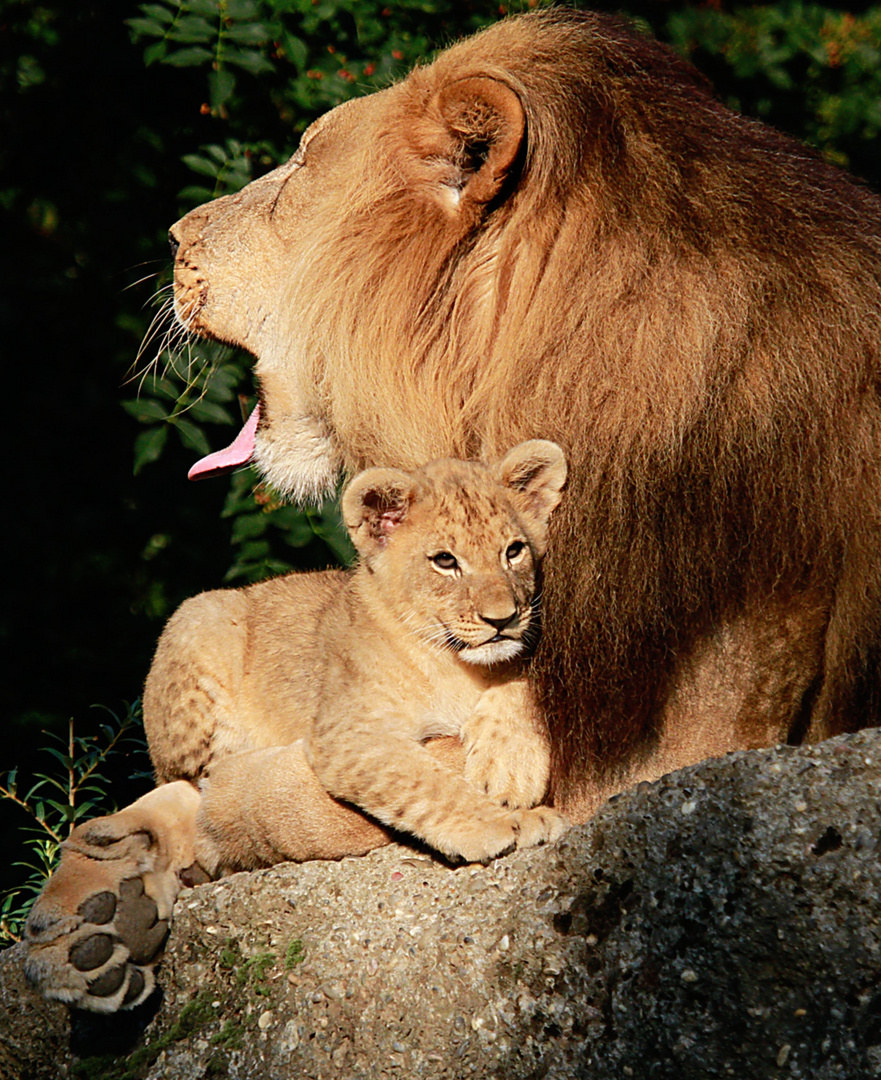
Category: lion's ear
[374,504]
[536,472]
[484,131]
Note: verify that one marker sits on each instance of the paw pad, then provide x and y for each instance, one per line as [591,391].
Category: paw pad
[108,983]
[91,952]
[137,922]
[98,909]
[113,958]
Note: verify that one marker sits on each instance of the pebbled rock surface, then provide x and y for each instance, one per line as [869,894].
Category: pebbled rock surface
[725,921]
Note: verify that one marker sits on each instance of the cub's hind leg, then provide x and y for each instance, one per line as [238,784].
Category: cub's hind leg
[194,705]
[96,931]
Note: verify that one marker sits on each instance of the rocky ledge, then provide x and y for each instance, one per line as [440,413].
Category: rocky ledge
[725,921]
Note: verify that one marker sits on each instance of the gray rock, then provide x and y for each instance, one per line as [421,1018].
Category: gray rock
[725,921]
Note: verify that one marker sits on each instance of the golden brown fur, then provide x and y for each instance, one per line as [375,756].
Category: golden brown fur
[555,230]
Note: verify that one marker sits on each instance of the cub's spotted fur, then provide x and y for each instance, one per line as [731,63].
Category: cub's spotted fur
[272,712]
[425,639]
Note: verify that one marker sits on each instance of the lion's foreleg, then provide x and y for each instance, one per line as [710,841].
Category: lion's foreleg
[393,778]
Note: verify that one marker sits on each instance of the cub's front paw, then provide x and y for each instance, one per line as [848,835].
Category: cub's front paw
[540,826]
[484,840]
[512,776]
[506,747]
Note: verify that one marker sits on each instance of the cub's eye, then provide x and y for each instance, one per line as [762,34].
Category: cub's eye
[444,561]
[515,550]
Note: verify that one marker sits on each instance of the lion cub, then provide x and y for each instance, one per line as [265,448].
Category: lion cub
[425,638]
[266,706]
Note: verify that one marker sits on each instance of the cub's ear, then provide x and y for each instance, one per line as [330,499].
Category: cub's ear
[536,471]
[480,128]
[374,504]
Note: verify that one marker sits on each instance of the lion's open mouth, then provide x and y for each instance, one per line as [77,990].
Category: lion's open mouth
[239,452]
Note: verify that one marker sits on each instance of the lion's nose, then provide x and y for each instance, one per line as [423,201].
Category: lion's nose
[501,622]
[174,244]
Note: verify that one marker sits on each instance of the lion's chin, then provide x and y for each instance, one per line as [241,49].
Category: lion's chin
[297,456]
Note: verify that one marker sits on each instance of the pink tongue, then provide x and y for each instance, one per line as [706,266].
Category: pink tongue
[239,452]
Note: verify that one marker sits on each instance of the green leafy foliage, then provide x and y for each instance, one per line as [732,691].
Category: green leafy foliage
[75,789]
[228,167]
[811,69]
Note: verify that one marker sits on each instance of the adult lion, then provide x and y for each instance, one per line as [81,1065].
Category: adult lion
[555,231]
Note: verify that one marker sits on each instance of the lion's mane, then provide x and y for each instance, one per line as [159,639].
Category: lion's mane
[686,300]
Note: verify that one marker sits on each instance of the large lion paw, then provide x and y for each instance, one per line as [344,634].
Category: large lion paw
[97,930]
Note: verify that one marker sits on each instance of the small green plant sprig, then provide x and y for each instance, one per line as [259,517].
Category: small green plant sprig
[59,800]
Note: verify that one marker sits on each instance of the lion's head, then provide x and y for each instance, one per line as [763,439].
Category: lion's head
[555,231]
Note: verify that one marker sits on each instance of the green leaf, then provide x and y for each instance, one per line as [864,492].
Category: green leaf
[145,410]
[249,60]
[221,383]
[64,759]
[221,154]
[192,437]
[149,446]
[201,165]
[249,527]
[146,27]
[193,28]
[295,524]
[210,413]
[295,49]
[158,11]
[192,57]
[249,34]
[155,53]
[161,387]
[208,8]
[195,195]
[221,85]
[242,9]
[254,551]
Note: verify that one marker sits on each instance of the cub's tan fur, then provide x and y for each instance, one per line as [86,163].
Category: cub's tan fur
[366,667]
[284,697]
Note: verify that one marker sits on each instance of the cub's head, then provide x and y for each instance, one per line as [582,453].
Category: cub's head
[452,549]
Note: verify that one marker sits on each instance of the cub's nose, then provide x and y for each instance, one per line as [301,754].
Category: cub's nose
[500,622]
[174,244]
